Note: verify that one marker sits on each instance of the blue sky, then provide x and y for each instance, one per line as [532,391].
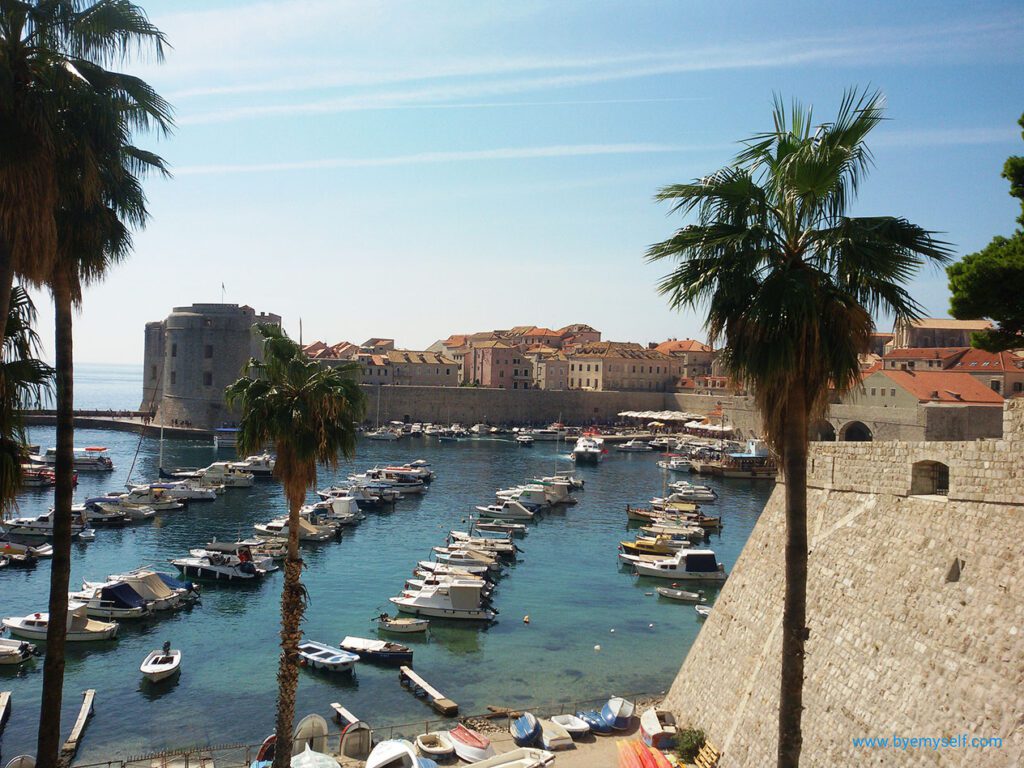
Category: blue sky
[411,169]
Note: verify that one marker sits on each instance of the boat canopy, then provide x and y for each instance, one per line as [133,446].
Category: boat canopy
[173,583]
[122,596]
[364,644]
[149,585]
[701,562]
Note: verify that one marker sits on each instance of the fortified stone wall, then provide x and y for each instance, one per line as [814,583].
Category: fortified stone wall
[915,610]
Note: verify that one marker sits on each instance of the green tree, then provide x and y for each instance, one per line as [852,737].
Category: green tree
[44,45]
[990,283]
[790,284]
[308,413]
[25,382]
[100,199]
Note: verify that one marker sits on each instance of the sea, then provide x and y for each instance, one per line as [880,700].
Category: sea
[594,629]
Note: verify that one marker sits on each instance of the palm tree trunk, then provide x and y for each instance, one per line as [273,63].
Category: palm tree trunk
[6,283]
[48,744]
[794,614]
[292,607]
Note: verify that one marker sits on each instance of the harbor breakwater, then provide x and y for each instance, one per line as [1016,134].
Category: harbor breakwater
[914,608]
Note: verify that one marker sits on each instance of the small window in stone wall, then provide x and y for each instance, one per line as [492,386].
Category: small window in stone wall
[957,568]
[174,377]
[929,478]
[208,351]
[207,379]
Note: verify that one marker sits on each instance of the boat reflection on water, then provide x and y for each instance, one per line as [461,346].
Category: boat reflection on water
[153,691]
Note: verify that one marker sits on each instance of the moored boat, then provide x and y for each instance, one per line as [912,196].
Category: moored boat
[553,736]
[525,729]
[595,720]
[80,628]
[436,745]
[575,726]
[159,665]
[15,651]
[703,611]
[377,650]
[320,656]
[685,565]
[681,595]
[401,624]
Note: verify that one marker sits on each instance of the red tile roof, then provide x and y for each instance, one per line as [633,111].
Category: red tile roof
[924,353]
[682,345]
[980,361]
[941,387]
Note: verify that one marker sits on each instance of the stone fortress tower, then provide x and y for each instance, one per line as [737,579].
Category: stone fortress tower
[190,358]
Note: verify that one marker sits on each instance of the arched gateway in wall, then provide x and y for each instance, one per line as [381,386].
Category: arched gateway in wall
[822,431]
[856,432]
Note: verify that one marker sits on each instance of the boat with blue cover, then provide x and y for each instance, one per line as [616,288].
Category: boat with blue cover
[617,712]
[595,720]
[525,729]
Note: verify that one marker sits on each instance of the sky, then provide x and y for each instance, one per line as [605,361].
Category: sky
[414,168]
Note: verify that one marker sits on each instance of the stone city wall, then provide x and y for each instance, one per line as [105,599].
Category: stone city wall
[915,610]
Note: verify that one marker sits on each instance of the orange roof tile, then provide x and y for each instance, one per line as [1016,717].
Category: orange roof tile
[682,345]
[941,386]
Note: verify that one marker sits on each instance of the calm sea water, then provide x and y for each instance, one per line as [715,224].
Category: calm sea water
[567,580]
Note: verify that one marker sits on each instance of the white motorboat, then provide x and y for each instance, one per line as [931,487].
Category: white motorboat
[308,532]
[224,473]
[80,628]
[480,430]
[523,757]
[525,441]
[154,587]
[491,544]
[394,478]
[15,651]
[458,600]
[681,595]
[159,665]
[393,753]
[588,450]
[460,557]
[382,434]
[218,567]
[553,736]
[431,566]
[675,464]
[8,547]
[40,526]
[242,552]
[547,434]
[703,611]
[507,510]
[685,565]
[261,465]
[153,498]
[135,514]
[435,745]
[321,656]
[114,518]
[575,726]
[262,550]
[339,510]
[183,490]
[114,600]
[533,496]
[634,446]
[401,625]
[500,526]
[91,459]
[684,491]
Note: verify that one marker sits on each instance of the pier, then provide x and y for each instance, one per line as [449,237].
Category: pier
[417,684]
[71,745]
[5,708]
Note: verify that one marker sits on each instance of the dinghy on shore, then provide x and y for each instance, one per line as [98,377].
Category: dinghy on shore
[617,712]
[436,745]
[470,745]
[525,729]
[553,736]
[658,728]
[524,757]
[576,726]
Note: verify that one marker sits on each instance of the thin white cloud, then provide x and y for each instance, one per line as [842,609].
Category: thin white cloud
[424,158]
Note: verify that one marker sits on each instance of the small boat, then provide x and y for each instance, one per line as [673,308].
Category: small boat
[525,441]
[675,464]
[617,712]
[321,656]
[22,761]
[702,610]
[401,625]
[393,753]
[524,757]
[377,650]
[525,729]
[311,758]
[501,526]
[80,628]
[436,745]
[634,446]
[470,745]
[577,727]
[658,728]
[685,565]
[682,595]
[595,720]
[15,651]
[87,534]
[310,733]
[159,665]
[113,600]
[553,736]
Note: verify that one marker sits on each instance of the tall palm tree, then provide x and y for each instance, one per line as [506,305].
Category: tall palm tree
[44,44]
[25,381]
[790,284]
[100,200]
[308,413]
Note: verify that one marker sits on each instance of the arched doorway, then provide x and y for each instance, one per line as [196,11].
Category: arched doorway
[929,478]
[822,431]
[856,432]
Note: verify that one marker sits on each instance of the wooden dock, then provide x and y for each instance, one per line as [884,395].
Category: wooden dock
[5,708]
[342,715]
[71,745]
[418,686]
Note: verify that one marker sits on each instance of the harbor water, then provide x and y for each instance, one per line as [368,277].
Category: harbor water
[567,580]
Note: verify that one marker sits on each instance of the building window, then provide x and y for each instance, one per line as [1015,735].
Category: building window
[152,372]
[174,377]
[501,374]
[208,351]
[892,393]
[174,350]
[1018,386]
[872,391]
[996,386]
[588,371]
[207,379]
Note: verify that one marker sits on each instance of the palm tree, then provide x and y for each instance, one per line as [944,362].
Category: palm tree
[790,284]
[100,200]
[308,413]
[25,381]
[44,44]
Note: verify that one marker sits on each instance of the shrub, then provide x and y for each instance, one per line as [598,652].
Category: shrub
[689,742]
